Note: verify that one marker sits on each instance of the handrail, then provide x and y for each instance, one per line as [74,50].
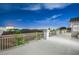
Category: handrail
[7,41]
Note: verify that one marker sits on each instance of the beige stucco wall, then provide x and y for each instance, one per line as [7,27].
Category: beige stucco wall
[75,26]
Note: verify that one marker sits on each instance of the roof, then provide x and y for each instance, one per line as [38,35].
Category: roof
[74,19]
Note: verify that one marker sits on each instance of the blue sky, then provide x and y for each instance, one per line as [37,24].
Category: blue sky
[37,15]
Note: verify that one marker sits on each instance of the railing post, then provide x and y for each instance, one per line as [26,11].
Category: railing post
[46,34]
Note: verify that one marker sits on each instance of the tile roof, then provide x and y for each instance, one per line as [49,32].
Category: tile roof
[74,19]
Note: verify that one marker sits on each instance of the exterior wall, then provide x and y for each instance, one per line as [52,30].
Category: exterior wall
[75,27]
[61,31]
[1,31]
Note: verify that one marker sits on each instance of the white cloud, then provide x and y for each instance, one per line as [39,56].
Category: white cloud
[55,16]
[49,20]
[33,7]
[55,5]
[49,6]
[19,19]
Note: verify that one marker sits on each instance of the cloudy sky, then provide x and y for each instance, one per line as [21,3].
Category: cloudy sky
[37,15]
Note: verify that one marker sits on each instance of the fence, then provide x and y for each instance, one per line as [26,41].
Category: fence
[7,41]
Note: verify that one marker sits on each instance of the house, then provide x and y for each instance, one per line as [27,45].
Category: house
[74,24]
[61,30]
[9,27]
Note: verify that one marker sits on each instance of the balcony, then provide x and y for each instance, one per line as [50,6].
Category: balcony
[61,44]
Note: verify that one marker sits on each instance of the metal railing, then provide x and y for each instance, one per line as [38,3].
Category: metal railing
[8,41]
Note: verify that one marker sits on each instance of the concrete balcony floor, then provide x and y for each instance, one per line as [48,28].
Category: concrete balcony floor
[55,45]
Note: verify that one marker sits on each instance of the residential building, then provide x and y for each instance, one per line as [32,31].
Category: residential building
[74,24]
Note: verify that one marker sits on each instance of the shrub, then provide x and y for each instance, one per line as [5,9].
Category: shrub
[20,41]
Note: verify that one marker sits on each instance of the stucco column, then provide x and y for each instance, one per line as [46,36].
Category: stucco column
[1,31]
[46,34]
